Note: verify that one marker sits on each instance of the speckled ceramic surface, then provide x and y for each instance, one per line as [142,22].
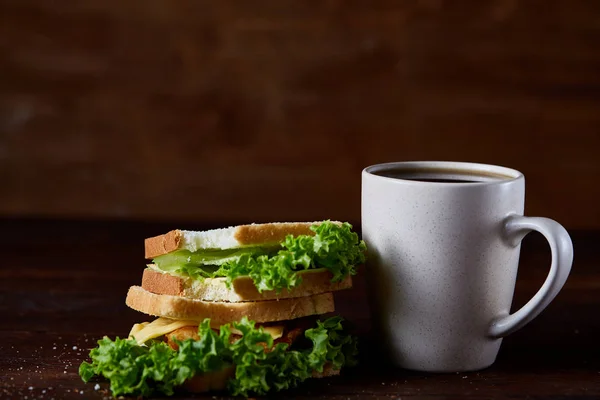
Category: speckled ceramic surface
[443,261]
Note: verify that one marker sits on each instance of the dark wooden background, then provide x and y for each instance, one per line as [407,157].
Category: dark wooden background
[268,110]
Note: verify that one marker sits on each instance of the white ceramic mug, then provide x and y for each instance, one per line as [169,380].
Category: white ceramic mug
[443,260]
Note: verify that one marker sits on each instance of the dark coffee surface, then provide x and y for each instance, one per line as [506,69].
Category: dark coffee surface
[441,175]
[441,180]
[63,286]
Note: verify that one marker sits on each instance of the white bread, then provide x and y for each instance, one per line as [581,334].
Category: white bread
[226,238]
[314,281]
[175,307]
[217,380]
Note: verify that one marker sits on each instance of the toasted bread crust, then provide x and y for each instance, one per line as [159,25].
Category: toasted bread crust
[163,244]
[328,370]
[221,313]
[244,235]
[217,380]
[160,283]
[242,289]
[271,233]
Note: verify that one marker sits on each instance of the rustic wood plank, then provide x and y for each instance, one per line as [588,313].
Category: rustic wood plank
[216,111]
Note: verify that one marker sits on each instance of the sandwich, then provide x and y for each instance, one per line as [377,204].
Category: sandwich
[239,309]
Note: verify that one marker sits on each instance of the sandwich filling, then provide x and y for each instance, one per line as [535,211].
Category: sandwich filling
[162,326]
[249,356]
[333,247]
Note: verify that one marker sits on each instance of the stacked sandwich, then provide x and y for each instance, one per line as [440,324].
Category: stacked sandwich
[237,308]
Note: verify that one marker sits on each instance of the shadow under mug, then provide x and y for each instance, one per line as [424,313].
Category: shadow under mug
[444,242]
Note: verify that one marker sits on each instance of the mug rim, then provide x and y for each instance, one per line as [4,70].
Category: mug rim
[507,174]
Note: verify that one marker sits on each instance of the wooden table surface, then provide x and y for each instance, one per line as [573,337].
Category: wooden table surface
[63,285]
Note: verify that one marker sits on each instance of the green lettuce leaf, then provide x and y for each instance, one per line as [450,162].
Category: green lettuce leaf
[158,369]
[260,372]
[133,369]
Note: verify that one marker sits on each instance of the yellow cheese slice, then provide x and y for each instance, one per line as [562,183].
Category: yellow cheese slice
[161,326]
[137,328]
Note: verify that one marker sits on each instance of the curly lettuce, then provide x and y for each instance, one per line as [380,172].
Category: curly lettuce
[158,369]
[333,247]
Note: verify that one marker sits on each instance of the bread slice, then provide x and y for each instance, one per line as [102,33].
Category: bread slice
[226,238]
[175,307]
[328,370]
[217,380]
[314,281]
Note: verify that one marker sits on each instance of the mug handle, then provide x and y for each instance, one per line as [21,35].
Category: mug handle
[515,229]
